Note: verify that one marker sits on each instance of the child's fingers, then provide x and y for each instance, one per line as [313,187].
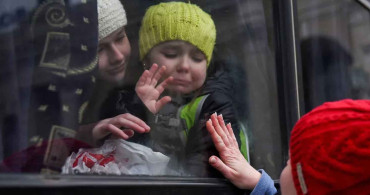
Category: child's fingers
[158,75]
[160,88]
[153,68]
[143,78]
[163,101]
[151,73]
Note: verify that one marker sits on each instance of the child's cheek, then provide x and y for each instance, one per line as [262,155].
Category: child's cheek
[168,72]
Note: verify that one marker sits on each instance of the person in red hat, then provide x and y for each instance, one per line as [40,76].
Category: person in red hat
[329,153]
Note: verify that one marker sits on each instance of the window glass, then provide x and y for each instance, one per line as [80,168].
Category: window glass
[334,50]
[48,55]
[62,95]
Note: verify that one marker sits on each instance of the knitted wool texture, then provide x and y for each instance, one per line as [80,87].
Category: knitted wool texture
[330,149]
[177,21]
[111,16]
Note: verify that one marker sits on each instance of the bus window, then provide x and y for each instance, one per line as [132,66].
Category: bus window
[52,86]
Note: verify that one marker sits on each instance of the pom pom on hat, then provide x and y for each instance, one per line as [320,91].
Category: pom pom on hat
[112,16]
[177,21]
[330,149]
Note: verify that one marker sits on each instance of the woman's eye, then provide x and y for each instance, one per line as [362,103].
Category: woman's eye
[119,39]
[100,49]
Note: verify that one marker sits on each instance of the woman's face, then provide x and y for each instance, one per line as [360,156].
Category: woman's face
[286,181]
[183,61]
[114,53]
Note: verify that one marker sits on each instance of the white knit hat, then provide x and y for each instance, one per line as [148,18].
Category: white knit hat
[112,16]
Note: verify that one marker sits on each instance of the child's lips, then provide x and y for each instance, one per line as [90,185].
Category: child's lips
[180,82]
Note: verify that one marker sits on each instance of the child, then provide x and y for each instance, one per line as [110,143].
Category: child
[176,42]
[113,52]
[329,153]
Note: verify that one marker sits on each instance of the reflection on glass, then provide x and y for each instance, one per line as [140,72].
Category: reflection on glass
[334,50]
[48,54]
[325,66]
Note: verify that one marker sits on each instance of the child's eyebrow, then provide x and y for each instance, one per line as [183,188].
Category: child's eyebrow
[197,51]
[172,46]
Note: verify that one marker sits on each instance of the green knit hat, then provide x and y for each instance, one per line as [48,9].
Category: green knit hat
[177,21]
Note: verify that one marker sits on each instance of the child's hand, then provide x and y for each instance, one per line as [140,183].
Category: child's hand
[232,163]
[128,122]
[148,91]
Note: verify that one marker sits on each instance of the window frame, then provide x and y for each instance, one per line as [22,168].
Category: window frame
[290,109]
[289,69]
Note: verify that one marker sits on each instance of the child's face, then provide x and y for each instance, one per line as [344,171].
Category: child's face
[286,181]
[114,52]
[184,62]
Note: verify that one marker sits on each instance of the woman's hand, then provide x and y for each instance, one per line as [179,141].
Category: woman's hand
[148,90]
[232,164]
[122,126]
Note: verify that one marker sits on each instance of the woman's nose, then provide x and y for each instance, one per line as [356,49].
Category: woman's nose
[116,55]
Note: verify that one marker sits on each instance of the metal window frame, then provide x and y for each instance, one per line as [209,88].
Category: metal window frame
[365,4]
[98,184]
[289,69]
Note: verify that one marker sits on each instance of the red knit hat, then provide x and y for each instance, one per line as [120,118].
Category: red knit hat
[330,149]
